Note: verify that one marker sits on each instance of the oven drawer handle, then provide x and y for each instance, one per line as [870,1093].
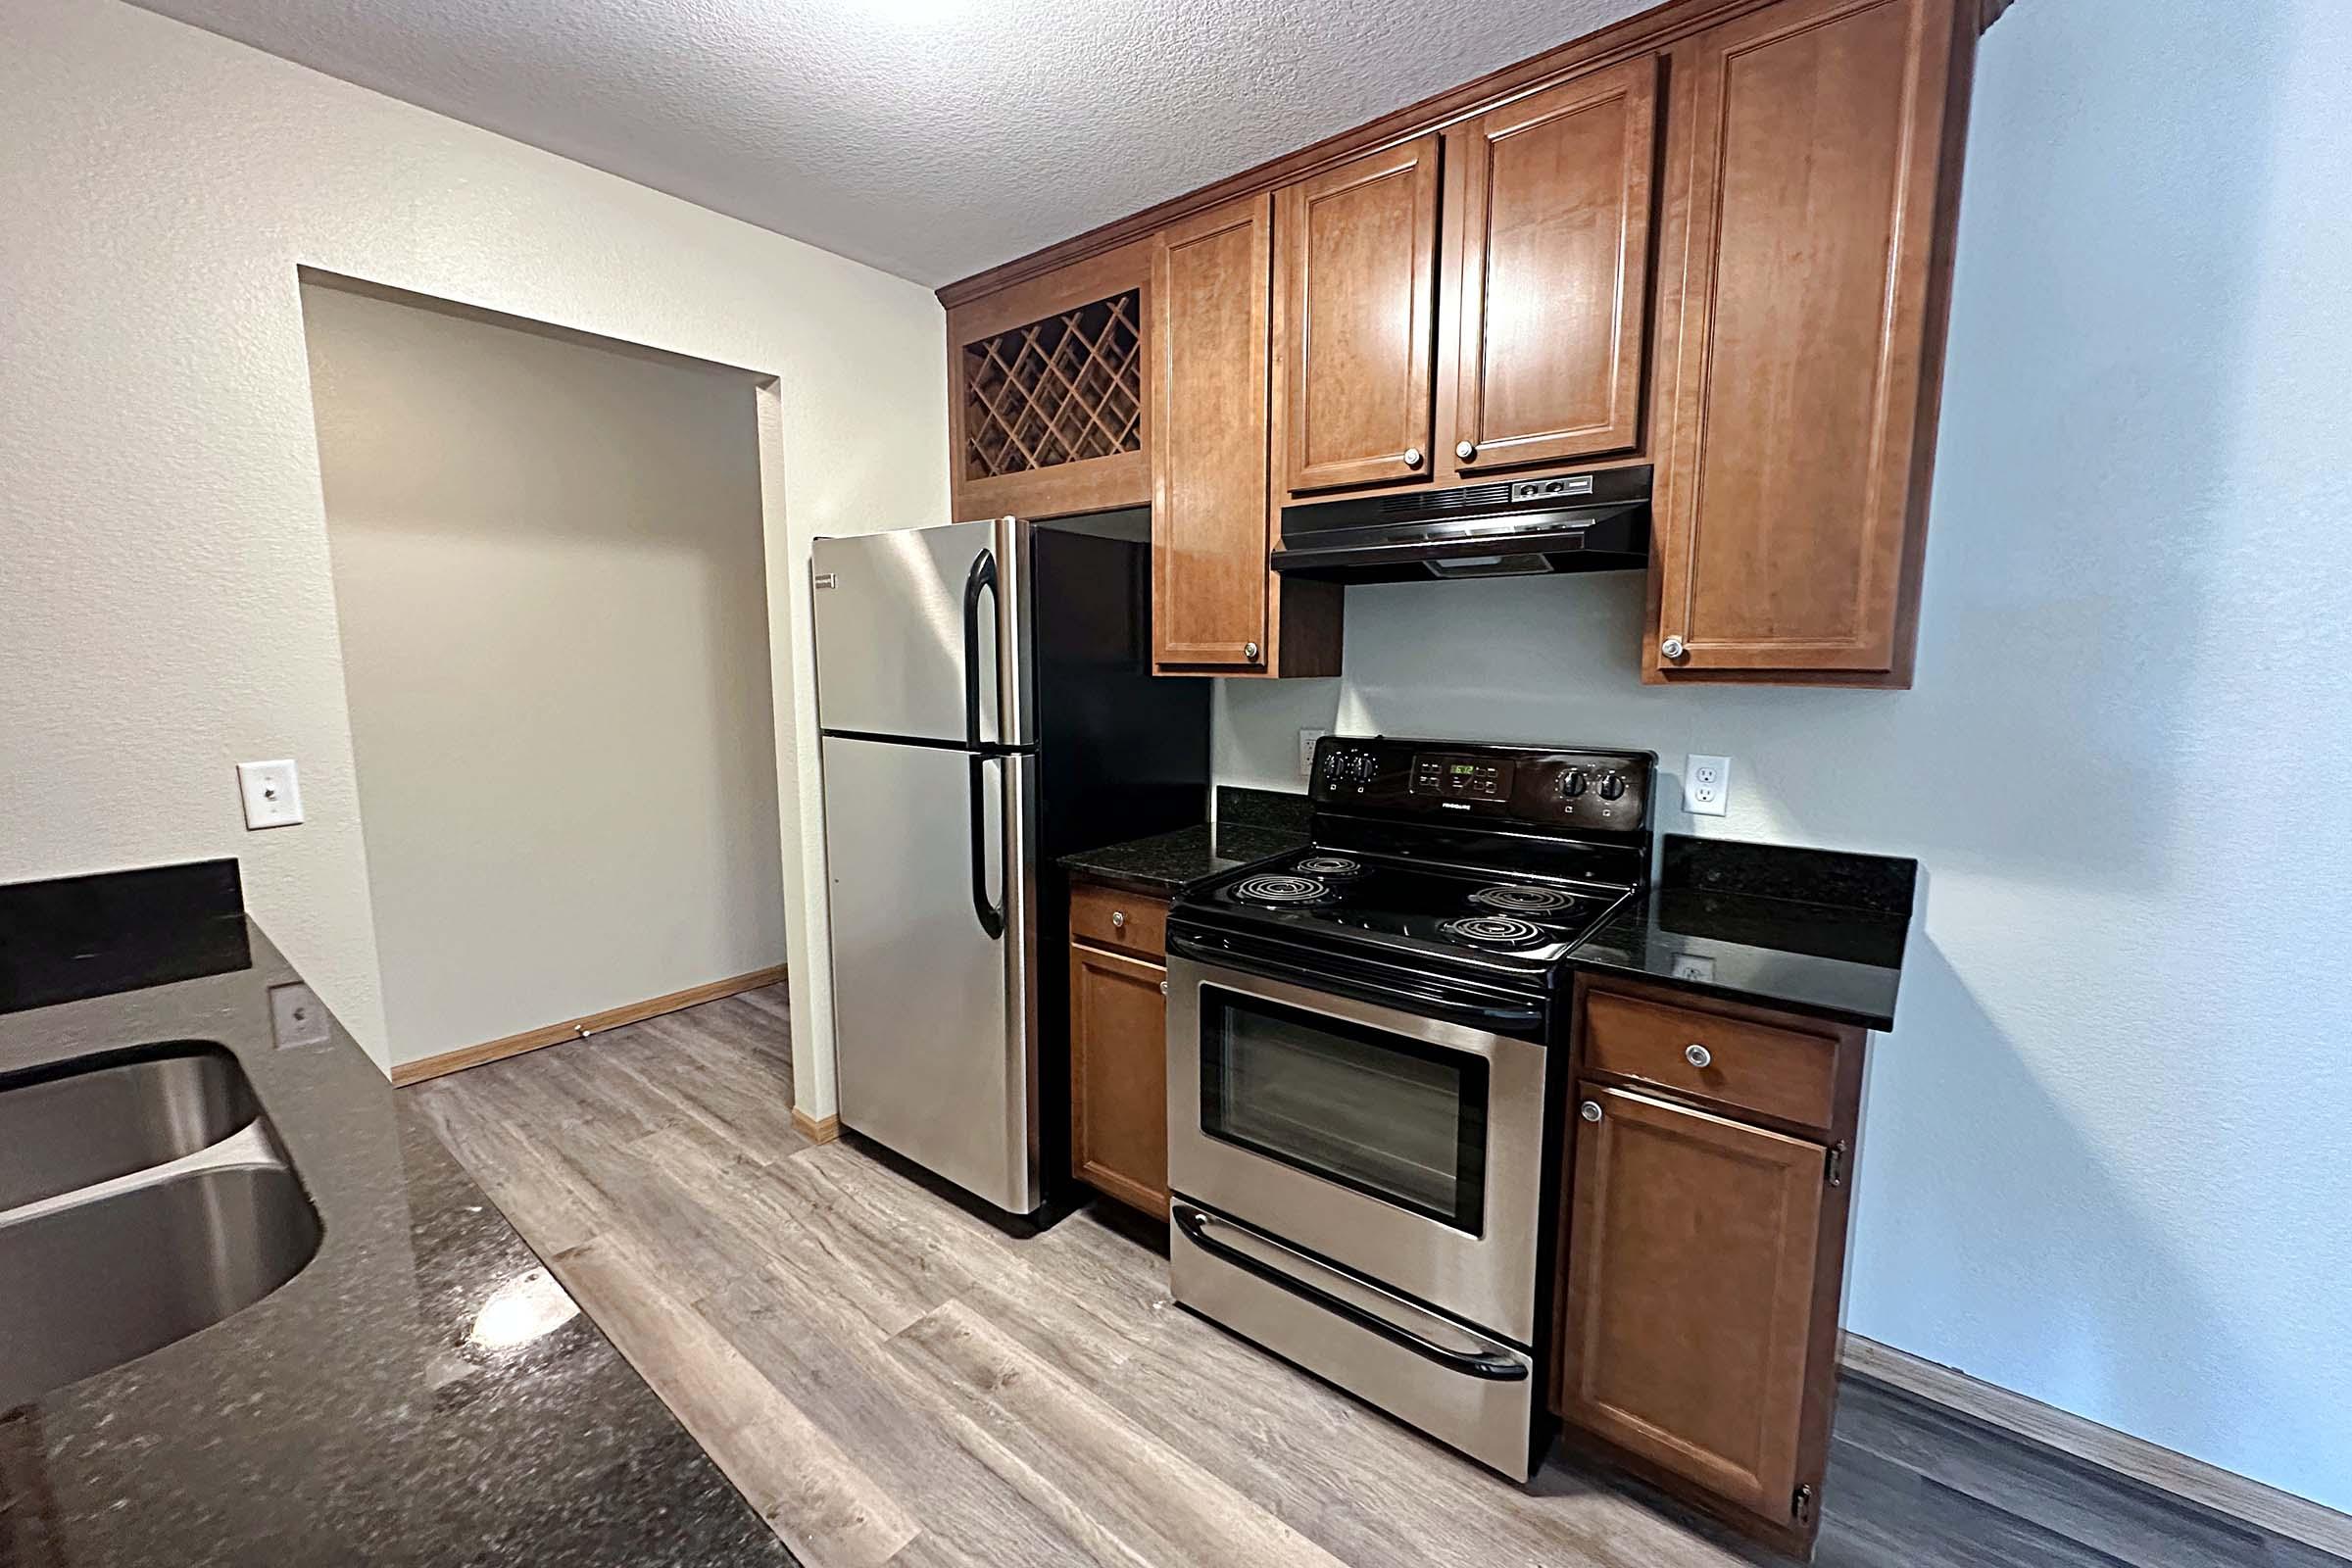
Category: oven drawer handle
[1492,1367]
[1252,961]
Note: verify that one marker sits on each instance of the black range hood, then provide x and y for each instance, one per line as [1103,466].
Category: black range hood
[1597,521]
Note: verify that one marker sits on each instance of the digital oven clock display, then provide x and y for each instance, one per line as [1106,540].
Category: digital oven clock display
[1463,776]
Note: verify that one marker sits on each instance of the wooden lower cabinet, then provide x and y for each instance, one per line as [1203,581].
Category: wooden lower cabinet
[1119,1071]
[1700,1278]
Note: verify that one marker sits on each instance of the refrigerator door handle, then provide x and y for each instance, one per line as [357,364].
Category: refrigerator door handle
[992,915]
[981,578]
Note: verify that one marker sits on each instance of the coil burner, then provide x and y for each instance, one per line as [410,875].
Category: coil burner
[1493,930]
[1519,899]
[1279,889]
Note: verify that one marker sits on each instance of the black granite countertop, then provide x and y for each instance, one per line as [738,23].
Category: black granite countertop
[1813,931]
[1251,825]
[350,1416]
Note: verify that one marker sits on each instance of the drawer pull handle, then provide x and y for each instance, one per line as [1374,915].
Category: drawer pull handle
[1698,1055]
[1119,919]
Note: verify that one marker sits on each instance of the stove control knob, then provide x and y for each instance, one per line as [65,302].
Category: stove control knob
[1572,783]
[1612,786]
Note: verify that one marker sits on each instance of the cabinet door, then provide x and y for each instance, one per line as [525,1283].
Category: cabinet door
[1691,1283]
[1554,272]
[1211,280]
[1813,156]
[1355,317]
[1119,1077]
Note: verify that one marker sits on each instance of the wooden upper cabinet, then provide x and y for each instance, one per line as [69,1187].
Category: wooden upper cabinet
[1811,180]
[1552,273]
[1690,1315]
[1355,320]
[1211,280]
[1047,411]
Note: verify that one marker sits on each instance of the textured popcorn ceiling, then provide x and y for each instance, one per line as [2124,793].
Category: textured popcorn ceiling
[932,138]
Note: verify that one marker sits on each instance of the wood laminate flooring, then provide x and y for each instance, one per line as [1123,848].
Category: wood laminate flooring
[890,1380]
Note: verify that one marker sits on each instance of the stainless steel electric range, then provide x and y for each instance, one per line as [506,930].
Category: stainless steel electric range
[1359,1076]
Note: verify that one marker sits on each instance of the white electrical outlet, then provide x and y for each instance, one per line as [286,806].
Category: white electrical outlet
[1706,785]
[295,1016]
[1306,751]
[273,794]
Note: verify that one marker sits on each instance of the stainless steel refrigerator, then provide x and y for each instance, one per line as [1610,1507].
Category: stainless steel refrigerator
[986,703]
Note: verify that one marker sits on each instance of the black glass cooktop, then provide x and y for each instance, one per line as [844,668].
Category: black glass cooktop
[1499,920]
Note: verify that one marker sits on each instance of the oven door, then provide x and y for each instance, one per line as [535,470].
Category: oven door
[1404,1147]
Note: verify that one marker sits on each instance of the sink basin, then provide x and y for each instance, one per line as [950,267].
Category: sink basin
[90,1120]
[90,1286]
[144,1196]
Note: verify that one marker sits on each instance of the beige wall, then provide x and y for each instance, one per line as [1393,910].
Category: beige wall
[549,577]
[166,605]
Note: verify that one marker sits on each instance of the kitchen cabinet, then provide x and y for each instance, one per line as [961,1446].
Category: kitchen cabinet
[1354,318]
[1217,607]
[1551,220]
[1714,239]
[1811,187]
[1046,414]
[1701,1276]
[1118,1046]
[1525,348]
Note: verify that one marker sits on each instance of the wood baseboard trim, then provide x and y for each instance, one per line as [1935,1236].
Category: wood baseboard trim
[2208,1486]
[414,1072]
[816,1129]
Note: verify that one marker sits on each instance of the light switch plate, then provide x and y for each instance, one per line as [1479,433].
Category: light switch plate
[273,792]
[296,1017]
[1706,785]
[1306,751]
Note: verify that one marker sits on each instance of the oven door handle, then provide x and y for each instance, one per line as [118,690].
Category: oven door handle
[1427,1002]
[1489,1365]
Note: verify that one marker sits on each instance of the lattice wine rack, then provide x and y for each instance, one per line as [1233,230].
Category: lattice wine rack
[1058,390]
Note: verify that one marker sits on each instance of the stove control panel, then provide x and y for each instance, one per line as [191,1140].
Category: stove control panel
[1519,786]
[1464,777]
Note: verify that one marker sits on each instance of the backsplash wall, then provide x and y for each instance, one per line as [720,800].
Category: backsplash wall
[2103,1156]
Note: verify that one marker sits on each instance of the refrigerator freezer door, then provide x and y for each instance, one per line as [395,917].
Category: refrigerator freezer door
[933,1008]
[895,613]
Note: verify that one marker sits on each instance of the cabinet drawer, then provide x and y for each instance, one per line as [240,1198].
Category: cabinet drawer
[1782,1073]
[1111,917]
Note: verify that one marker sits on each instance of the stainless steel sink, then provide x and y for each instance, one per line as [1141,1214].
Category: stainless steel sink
[207,1218]
[92,1119]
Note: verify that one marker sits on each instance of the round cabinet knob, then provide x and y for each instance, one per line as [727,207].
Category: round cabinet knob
[1119,919]
[1590,1110]
[1163,988]
[1671,647]
[1249,652]
[1412,457]
[1697,1055]
[1466,450]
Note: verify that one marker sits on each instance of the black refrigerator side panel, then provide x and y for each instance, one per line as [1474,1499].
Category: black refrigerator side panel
[1121,755]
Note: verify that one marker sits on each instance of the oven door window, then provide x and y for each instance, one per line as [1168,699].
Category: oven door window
[1383,1113]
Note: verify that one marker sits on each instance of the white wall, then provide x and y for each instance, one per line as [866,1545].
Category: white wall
[165,599]
[2107,1154]
[550,584]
